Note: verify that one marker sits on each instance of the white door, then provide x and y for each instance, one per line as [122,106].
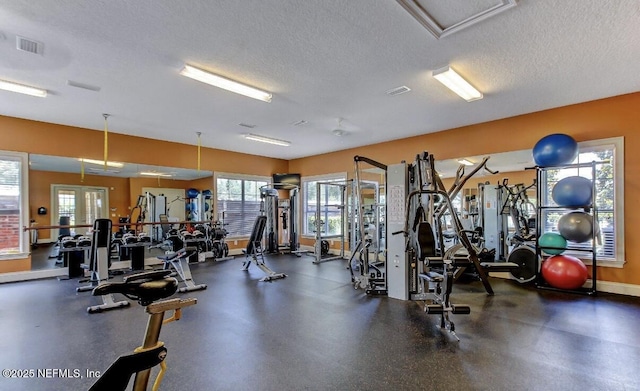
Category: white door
[82,205]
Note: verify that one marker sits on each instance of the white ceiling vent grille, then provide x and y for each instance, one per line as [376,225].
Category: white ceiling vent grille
[398,90]
[84,86]
[28,45]
[445,18]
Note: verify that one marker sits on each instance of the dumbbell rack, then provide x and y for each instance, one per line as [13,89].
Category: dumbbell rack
[545,204]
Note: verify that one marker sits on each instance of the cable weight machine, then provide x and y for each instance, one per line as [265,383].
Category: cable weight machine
[368,237]
[330,219]
[282,219]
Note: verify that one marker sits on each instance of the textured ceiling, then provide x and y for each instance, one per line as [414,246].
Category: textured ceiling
[322,60]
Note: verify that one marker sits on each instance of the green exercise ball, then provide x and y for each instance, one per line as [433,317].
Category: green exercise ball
[552,243]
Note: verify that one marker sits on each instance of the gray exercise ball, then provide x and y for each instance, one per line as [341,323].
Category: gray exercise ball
[576,226]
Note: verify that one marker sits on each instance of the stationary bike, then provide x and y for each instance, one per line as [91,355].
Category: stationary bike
[147,288]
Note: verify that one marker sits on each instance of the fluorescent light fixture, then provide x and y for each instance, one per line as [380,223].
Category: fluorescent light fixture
[224,83]
[22,89]
[465,162]
[267,140]
[155,174]
[457,84]
[101,162]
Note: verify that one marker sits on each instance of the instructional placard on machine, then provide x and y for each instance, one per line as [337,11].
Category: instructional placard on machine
[395,211]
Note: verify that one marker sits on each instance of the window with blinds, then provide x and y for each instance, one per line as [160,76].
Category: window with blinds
[11,193]
[238,200]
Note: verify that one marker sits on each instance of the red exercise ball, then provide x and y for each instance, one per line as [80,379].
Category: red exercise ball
[564,272]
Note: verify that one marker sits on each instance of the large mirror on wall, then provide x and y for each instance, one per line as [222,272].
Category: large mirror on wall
[63,189]
[85,190]
[515,161]
[512,170]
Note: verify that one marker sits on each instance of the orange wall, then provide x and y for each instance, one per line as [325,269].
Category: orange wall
[18,265]
[611,117]
[37,137]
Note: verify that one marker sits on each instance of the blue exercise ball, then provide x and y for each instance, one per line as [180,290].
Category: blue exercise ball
[192,193]
[555,149]
[573,191]
[576,226]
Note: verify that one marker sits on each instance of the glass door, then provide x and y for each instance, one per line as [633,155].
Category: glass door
[78,205]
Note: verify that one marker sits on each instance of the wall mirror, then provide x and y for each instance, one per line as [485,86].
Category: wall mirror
[86,190]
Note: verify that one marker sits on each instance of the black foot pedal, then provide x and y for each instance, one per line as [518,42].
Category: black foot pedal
[460,309]
[433,309]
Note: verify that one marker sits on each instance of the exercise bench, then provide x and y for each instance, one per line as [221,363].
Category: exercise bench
[254,252]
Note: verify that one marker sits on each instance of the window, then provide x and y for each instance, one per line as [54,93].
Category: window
[330,196]
[13,204]
[609,197]
[238,200]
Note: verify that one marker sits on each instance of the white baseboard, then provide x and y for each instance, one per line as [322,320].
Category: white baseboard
[618,288]
[32,275]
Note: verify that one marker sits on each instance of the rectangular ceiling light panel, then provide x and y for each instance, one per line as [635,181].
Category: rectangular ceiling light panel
[224,83]
[268,140]
[457,84]
[466,162]
[101,162]
[155,174]
[22,89]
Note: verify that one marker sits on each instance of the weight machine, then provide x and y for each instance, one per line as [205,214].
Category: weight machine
[420,267]
[368,237]
[149,206]
[325,191]
[515,242]
[282,219]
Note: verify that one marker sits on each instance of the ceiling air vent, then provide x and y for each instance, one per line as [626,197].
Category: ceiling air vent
[28,45]
[83,85]
[300,123]
[398,90]
[247,125]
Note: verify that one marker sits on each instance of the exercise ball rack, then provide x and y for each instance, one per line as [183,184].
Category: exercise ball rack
[546,205]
